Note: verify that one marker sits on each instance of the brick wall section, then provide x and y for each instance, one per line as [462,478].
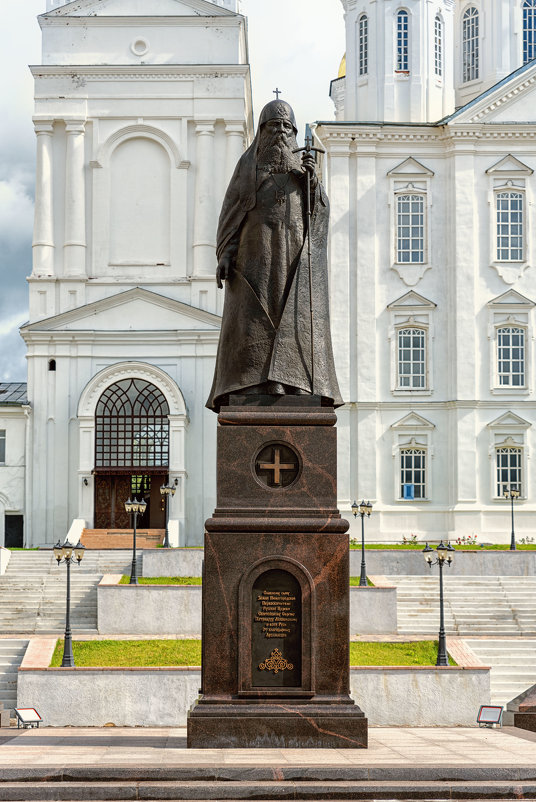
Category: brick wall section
[462,653]
[121,538]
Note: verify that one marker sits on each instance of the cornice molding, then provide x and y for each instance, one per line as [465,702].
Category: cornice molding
[233,21]
[160,72]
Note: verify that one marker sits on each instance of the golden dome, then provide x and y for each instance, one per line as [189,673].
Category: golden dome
[342,67]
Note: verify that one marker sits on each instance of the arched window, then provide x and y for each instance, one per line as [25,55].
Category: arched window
[132,426]
[511,356]
[363,44]
[412,473]
[412,359]
[510,227]
[410,229]
[438,46]
[509,464]
[402,41]
[52,364]
[529,30]
[470,44]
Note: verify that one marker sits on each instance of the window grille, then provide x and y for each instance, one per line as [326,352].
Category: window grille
[402,41]
[410,229]
[412,359]
[132,426]
[511,357]
[438,46]
[471,44]
[363,44]
[2,445]
[413,471]
[508,470]
[509,227]
[529,30]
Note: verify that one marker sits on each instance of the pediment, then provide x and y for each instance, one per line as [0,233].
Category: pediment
[509,165]
[509,420]
[512,298]
[139,8]
[411,300]
[410,168]
[133,310]
[511,100]
[411,422]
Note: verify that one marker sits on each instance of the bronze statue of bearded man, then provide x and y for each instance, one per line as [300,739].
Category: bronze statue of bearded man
[265,345]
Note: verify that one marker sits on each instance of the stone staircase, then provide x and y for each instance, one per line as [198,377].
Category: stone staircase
[11,654]
[33,590]
[513,665]
[480,606]
[121,538]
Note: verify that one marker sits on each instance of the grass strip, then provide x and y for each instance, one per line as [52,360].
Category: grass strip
[162,580]
[142,653]
[420,546]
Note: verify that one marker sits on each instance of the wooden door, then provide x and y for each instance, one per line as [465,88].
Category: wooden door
[111,492]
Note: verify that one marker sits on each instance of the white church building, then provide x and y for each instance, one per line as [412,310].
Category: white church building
[142,109]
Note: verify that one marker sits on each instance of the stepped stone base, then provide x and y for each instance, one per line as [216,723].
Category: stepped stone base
[284,725]
[525,719]
[122,538]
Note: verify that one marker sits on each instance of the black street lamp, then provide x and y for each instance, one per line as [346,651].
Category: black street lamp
[135,508]
[511,493]
[167,491]
[65,552]
[365,508]
[444,555]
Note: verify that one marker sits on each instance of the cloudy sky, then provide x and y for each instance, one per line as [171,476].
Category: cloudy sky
[295,45]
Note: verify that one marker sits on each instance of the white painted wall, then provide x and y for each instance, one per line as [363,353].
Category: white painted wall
[161,697]
[14,421]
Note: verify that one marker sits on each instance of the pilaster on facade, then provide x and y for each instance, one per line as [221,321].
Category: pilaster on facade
[204,243]
[74,248]
[43,236]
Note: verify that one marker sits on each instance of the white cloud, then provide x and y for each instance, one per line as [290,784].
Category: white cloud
[16,214]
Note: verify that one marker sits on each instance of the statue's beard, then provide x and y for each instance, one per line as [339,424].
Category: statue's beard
[275,152]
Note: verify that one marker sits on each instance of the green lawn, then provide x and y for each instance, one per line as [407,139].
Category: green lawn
[354,582]
[124,653]
[463,547]
[163,580]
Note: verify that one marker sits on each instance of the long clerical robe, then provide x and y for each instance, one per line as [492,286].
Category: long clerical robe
[266,324]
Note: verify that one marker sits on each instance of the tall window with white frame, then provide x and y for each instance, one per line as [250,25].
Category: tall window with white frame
[509,226]
[2,446]
[509,469]
[438,46]
[411,359]
[410,229]
[363,44]
[402,41]
[529,30]
[511,356]
[470,44]
[412,473]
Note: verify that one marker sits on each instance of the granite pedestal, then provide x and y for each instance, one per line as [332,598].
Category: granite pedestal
[275,661]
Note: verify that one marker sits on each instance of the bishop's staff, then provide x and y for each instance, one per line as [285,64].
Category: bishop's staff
[308,161]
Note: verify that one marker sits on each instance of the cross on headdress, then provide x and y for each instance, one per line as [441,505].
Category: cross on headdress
[277,92]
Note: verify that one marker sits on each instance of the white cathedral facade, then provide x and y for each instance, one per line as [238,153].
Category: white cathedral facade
[142,108]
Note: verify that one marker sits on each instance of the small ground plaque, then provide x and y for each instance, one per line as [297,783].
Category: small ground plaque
[276,630]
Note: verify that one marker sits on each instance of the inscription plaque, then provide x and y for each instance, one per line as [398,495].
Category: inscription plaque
[276,630]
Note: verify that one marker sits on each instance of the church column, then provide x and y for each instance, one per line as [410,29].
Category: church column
[204,220]
[234,135]
[43,235]
[75,202]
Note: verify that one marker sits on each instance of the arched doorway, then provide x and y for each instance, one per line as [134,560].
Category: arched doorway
[131,452]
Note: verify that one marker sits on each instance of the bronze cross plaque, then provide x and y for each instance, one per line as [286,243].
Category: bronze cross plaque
[277,465]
